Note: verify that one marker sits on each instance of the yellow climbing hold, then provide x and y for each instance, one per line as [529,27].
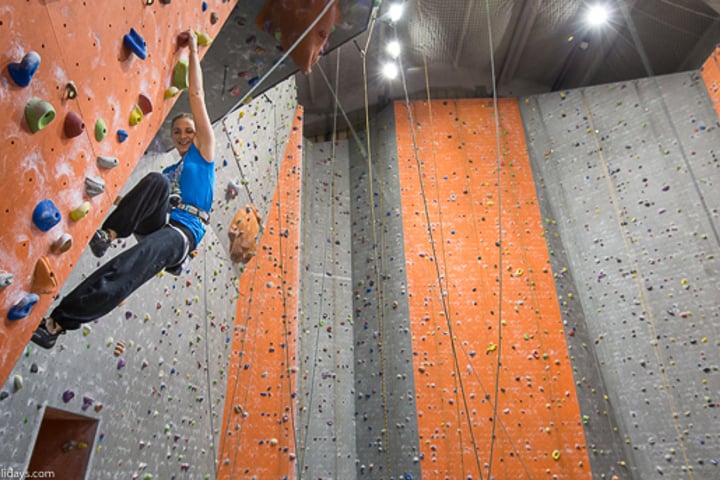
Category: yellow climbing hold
[171,92]
[80,211]
[491,348]
[556,455]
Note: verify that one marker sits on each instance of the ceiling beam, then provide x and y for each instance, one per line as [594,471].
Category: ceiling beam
[523,27]
[714,4]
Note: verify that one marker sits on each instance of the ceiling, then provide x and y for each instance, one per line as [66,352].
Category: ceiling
[538,46]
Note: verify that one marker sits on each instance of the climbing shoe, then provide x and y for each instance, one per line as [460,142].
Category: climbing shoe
[100,242]
[43,337]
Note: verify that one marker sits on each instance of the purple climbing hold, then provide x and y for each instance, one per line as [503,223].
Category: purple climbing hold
[68,395]
[121,363]
[87,402]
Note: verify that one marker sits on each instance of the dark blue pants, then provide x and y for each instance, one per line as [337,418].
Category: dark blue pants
[142,211]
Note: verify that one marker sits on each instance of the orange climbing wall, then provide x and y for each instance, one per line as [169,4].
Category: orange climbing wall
[79,42]
[710,72]
[258,439]
[538,433]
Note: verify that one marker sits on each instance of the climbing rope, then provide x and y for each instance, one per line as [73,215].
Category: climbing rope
[647,309]
[207,363]
[444,300]
[284,56]
[376,257]
[316,348]
[500,246]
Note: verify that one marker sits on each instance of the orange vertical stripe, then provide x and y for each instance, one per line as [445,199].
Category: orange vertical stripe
[539,430]
[257,435]
[711,75]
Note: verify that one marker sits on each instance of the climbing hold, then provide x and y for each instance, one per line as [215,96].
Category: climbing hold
[87,402]
[119,348]
[171,92]
[136,115]
[80,211]
[556,455]
[62,244]
[23,71]
[183,39]
[17,382]
[107,162]
[243,234]
[68,395]
[73,125]
[121,363]
[44,281]
[100,130]
[135,43]
[203,38]
[180,74]
[6,279]
[70,91]
[214,18]
[232,190]
[145,104]
[23,307]
[122,135]
[38,114]
[46,215]
[94,186]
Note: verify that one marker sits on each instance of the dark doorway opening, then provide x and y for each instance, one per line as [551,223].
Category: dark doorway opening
[63,446]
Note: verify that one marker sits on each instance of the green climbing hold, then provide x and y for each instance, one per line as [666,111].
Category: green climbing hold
[180,74]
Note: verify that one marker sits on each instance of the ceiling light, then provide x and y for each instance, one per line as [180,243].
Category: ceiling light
[390,70]
[395,11]
[393,49]
[597,15]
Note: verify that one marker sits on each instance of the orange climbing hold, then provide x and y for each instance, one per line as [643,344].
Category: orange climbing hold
[44,280]
[287,21]
[243,233]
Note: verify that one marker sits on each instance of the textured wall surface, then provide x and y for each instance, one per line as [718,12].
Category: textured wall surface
[259,423]
[80,43]
[710,72]
[387,435]
[160,403]
[493,380]
[627,173]
[326,415]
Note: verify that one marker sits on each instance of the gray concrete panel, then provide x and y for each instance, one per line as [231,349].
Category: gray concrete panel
[625,172]
[387,433]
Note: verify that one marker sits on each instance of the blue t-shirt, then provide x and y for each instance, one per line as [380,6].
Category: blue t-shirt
[197,180]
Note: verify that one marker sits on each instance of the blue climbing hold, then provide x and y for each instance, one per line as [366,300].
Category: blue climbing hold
[204,6]
[46,215]
[122,135]
[22,72]
[253,81]
[23,307]
[135,43]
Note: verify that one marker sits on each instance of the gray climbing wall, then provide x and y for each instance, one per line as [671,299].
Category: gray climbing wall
[387,434]
[627,177]
[326,417]
[159,402]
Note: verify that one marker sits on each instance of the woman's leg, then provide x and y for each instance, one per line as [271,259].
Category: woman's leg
[102,291]
[143,210]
